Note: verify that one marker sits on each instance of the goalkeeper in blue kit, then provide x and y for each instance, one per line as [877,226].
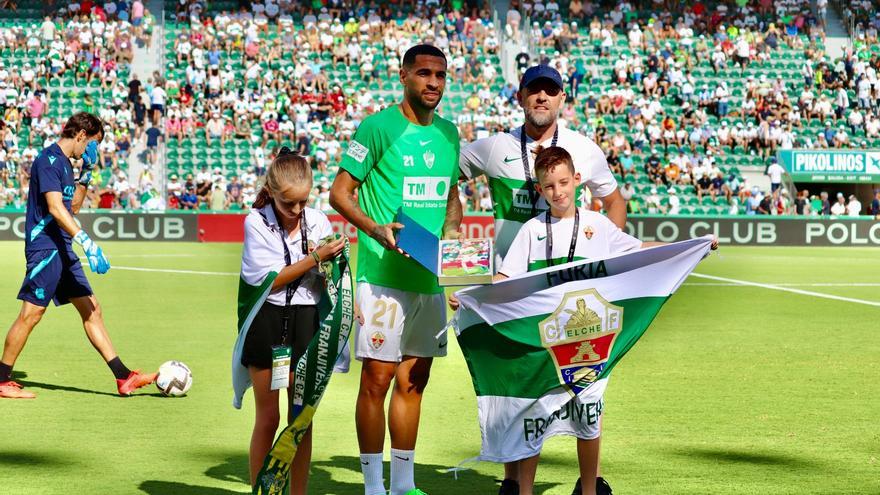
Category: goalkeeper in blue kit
[54,272]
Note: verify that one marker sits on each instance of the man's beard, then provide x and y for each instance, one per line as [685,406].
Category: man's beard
[417,102]
[428,105]
[540,121]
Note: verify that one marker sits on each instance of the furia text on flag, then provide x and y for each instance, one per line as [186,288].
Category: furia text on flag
[540,347]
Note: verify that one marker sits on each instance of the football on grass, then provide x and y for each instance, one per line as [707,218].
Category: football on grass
[174,379]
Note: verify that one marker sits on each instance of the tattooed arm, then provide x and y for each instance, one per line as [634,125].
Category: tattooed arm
[453,214]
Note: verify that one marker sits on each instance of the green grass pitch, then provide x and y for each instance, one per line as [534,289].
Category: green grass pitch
[733,390]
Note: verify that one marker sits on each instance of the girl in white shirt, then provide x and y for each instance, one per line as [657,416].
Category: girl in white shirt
[281,236]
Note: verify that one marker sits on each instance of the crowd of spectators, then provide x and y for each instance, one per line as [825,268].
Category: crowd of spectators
[45,67]
[310,101]
[211,190]
[843,205]
[673,83]
[250,75]
[861,18]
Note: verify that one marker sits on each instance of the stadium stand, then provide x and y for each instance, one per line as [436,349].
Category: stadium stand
[57,62]
[248,94]
[861,19]
[681,105]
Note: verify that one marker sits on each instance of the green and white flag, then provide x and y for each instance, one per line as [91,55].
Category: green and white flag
[540,346]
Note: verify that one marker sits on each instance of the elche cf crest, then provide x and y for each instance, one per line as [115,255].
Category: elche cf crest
[579,336]
[428,157]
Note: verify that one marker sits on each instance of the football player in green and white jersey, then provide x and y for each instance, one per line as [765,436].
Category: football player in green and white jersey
[507,160]
[404,157]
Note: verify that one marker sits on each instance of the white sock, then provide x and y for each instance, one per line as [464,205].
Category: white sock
[402,462]
[371,466]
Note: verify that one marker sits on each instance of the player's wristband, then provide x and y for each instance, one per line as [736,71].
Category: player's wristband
[317,258]
[81,237]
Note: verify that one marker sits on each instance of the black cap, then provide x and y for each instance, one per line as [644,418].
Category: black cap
[540,72]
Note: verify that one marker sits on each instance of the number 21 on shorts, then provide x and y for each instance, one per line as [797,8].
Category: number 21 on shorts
[384,314]
[382,320]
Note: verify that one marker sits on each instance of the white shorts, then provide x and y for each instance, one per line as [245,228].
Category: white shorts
[516,428]
[398,323]
[585,420]
[582,417]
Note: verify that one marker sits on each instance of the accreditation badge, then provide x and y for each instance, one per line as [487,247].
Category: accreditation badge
[280,367]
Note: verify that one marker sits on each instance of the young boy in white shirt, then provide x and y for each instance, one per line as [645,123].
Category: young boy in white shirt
[563,234]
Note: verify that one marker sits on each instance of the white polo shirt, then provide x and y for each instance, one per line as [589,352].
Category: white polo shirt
[775,172]
[264,253]
[500,158]
[597,237]
[157,97]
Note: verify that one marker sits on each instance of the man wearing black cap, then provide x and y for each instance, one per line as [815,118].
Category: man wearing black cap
[507,159]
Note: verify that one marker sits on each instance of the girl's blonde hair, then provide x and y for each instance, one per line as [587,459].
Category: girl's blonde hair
[287,168]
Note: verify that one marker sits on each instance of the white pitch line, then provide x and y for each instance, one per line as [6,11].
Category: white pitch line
[820,284]
[161,270]
[157,255]
[168,255]
[770,257]
[787,289]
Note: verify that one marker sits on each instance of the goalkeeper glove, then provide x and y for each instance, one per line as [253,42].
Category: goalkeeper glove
[90,155]
[89,159]
[97,261]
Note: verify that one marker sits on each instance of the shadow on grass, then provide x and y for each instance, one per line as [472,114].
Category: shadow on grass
[67,388]
[234,469]
[63,388]
[733,456]
[31,459]
[431,478]
[154,487]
